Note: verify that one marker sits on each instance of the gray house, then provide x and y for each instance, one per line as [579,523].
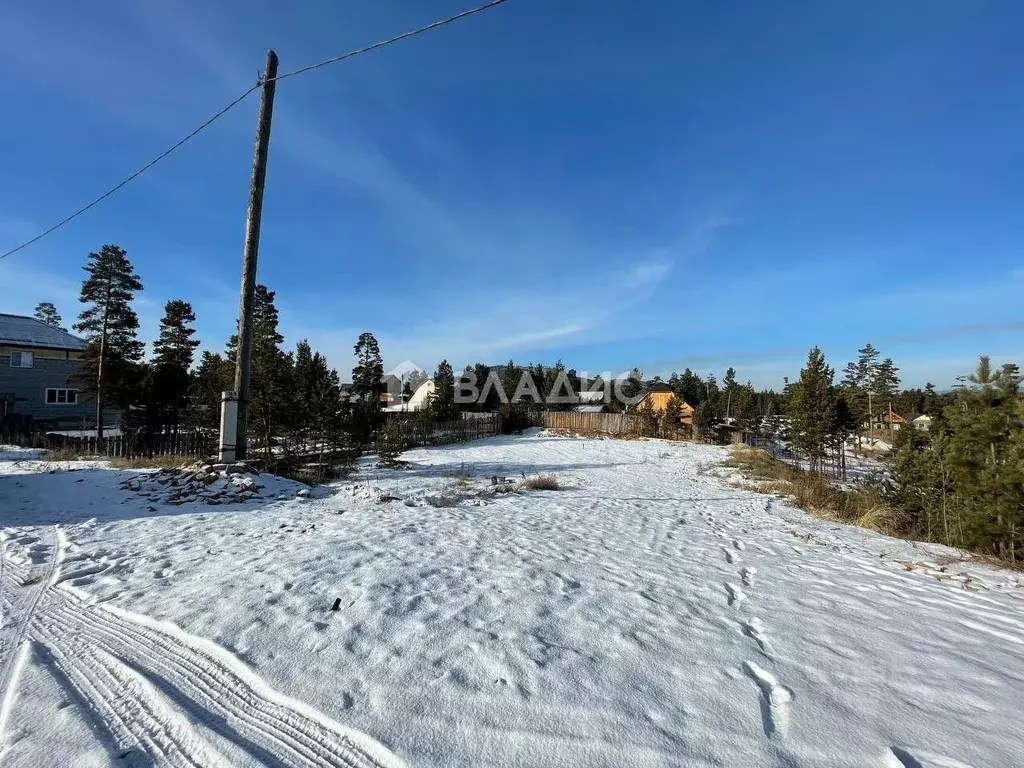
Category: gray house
[36,365]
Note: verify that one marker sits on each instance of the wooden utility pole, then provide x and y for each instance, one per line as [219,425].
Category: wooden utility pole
[250,252]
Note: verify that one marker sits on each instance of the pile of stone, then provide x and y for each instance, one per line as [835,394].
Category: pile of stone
[202,482]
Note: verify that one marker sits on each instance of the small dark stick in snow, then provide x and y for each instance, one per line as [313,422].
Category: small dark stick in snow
[337,604]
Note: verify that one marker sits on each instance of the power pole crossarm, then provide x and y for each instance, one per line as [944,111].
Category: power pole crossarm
[250,252]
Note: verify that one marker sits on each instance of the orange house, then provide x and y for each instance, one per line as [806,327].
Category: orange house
[659,395]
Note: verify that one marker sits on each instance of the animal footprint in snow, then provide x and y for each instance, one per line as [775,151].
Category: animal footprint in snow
[748,575]
[736,595]
[730,556]
[738,544]
[775,700]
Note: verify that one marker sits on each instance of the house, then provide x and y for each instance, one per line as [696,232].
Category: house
[390,390]
[37,362]
[421,396]
[658,394]
[886,420]
[922,423]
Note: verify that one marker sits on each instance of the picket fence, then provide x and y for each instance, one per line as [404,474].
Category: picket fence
[192,444]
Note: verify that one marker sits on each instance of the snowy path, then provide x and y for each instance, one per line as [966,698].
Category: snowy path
[647,615]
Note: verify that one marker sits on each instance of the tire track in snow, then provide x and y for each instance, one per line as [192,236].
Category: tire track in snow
[126,706]
[295,737]
[129,672]
[16,652]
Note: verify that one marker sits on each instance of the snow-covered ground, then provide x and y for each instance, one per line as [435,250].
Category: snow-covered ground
[646,614]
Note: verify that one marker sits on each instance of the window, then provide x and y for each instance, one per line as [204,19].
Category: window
[22,359]
[62,396]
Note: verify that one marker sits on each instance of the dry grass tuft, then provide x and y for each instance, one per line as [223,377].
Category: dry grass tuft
[541,483]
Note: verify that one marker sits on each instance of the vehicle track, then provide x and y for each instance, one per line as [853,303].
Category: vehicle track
[128,671]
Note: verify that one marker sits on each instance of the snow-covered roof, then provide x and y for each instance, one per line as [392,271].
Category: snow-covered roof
[22,331]
[590,396]
[589,409]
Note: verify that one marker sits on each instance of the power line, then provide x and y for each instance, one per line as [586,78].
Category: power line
[237,101]
[134,176]
[395,39]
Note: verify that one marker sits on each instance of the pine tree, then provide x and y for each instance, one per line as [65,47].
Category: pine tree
[514,414]
[688,387]
[389,444]
[931,400]
[271,372]
[415,380]
[317,403]
[704,420]
[867,362]
[631,387]
[884,382]
[1009,380]
[109,370]
[366,386]
[47,313]
[369,369]
[442,403]
[173,353]
[647,419]
[812,410]
[213,376]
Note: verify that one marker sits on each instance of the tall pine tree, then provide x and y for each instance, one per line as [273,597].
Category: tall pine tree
[367,387]
[173,353]
[812,410]
[109,371]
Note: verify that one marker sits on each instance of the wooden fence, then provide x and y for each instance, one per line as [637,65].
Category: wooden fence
[194,444]
[616,424]
[417,432]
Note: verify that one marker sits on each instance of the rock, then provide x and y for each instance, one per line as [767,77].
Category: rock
[237,469]
[218,467]
[303,493]
[208,479]
[212,501]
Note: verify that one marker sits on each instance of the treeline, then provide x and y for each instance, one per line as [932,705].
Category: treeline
[960,482]
[294,395]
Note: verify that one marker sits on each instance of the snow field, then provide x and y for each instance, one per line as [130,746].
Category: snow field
[645,615]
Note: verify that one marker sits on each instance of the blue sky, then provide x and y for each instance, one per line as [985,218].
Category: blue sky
[655,183]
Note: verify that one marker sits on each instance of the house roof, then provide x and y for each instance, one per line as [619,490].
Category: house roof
[589,409]
[23,331]
[658,386]
[910,415]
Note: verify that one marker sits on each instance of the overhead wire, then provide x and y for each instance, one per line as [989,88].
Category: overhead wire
[235,102]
